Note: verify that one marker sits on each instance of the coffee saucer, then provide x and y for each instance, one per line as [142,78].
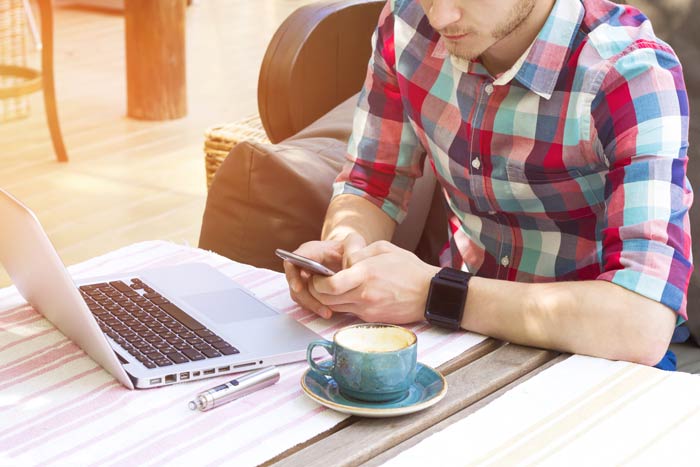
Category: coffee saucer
[428,389]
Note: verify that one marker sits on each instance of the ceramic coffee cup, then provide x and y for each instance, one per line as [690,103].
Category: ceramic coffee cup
[371,361]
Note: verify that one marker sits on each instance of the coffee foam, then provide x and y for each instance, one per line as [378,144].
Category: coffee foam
[374,338]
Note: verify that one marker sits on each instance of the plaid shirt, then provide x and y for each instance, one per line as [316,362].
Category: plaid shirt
[569,166]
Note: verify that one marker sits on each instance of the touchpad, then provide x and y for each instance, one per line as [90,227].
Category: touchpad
[228,305]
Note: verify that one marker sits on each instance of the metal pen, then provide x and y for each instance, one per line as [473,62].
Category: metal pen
[235,389]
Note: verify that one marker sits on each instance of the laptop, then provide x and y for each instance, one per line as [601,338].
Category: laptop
[153,327]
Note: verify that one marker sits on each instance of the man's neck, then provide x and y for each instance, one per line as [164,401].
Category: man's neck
[503,54]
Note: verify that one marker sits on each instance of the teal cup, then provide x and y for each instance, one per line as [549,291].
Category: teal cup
[371,362]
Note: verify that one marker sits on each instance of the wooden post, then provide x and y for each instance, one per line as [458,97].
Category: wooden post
[155,59]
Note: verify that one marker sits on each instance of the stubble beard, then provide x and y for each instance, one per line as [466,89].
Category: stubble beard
[478,46]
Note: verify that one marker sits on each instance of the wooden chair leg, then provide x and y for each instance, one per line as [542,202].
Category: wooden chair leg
[46,9]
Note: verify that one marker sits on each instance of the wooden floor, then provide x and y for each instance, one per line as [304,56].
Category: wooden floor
[128,180]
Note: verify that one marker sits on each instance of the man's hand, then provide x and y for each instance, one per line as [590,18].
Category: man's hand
[381,283]
[332,254]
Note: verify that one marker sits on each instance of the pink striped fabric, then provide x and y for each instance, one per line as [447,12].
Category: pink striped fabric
[57,407]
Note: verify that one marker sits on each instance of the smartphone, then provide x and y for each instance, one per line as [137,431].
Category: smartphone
[305,263]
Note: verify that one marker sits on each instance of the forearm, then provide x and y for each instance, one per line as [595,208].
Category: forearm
[349,213]
[593,317]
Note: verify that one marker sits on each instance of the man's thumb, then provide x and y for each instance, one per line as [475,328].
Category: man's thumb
[352,243]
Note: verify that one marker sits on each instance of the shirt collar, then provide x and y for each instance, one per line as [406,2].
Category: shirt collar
[539,66]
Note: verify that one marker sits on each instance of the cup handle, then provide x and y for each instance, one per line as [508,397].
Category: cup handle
[328,345]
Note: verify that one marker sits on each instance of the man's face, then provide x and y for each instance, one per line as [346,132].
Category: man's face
[470,27]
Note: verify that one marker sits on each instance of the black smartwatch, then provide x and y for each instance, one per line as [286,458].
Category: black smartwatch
[446,298]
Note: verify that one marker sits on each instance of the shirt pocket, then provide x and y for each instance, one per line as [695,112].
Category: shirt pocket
[559,195]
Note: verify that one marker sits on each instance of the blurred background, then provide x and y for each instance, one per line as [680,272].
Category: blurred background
[127,179]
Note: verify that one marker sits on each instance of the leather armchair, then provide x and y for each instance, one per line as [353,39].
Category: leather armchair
[267,196]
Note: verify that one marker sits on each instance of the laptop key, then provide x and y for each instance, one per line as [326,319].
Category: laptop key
[142,358]
[177,357]
[229,350]
[163,362]
[211,353]
[120,286]
[148,364]
[181,316]
[203,346]
[193,354]
[221,345]
[204,333]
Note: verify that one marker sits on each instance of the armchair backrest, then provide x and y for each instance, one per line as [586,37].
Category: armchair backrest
[316,60]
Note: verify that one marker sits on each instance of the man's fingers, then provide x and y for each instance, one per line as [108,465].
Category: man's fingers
[298,283]
[308,301]
[293,276]
[373,249]
[341,282]
[332,301]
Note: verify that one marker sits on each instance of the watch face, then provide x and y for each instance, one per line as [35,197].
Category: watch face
[447,300]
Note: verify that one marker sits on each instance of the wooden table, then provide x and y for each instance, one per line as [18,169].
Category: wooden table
[59,407]
[475,378]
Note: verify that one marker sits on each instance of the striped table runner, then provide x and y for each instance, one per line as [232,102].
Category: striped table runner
[57,407]
[582,411]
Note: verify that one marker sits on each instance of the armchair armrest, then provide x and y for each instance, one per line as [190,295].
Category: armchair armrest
[316,60]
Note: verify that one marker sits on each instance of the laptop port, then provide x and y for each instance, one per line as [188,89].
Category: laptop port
[195,374]
[184,376]
[208,372]
[170,378]
[224,368]
[242,365]
[155,380]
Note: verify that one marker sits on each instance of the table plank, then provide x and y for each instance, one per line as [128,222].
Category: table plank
[367,438]
[391,453]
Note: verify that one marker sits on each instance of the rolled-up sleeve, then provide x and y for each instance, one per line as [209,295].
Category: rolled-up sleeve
[384,154]
[641,118]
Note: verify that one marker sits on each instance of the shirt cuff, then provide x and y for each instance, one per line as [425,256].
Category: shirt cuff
[391,209]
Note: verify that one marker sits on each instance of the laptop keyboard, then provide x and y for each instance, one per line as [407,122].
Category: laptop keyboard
[150,327]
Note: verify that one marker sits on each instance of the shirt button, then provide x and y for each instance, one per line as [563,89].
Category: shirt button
[505,261]
[489,89]
[476,163]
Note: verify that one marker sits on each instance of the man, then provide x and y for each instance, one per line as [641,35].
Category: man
[558,132]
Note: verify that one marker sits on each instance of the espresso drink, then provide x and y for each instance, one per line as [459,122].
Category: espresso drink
[375,338]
